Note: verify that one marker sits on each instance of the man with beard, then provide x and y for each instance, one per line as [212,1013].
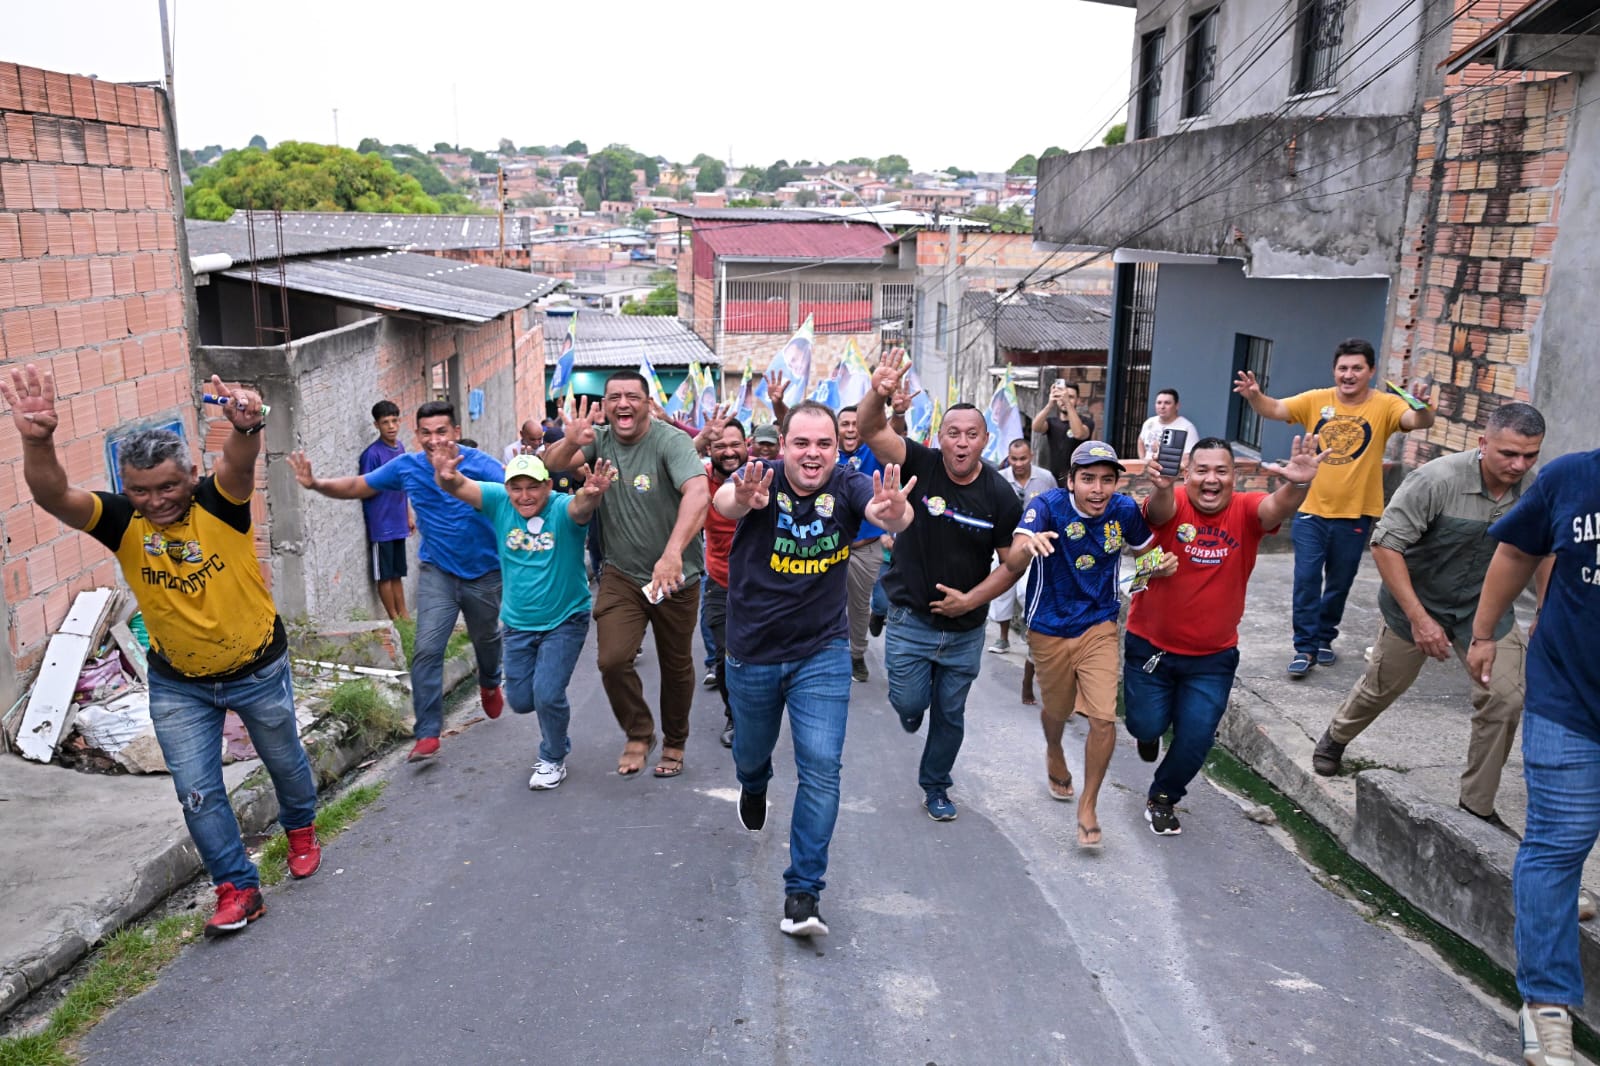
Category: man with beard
[727,453]
[866,557]
[796,520]
[933,646]
[649,532]
[1181,649]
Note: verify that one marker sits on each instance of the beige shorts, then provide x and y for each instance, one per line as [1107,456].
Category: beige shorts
[1078,673]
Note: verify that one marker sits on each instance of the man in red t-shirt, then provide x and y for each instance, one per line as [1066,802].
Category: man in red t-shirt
[1181,648]
[726,453]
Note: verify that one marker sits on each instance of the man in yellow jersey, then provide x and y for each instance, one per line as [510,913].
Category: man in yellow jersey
[1353,423]
[187,550]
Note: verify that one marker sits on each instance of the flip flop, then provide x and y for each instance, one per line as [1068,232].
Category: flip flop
[1058,783]
[1029,701]
[1089,845]
[670,765]
[634,748]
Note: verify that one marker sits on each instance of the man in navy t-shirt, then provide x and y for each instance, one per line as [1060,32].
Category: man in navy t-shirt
[387,517]
[460,572]
[1556,523]
[787,631]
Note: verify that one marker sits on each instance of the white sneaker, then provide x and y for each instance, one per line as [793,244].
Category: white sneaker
[547,775]
[1546,1036]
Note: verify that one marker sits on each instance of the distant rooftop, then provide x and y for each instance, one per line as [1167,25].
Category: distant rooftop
[396,231]
[228,238]
[1043,322]
[619,341]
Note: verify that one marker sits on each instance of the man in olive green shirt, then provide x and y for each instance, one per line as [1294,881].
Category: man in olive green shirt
[1432,550]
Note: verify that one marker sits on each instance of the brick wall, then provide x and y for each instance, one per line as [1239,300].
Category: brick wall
[91,286]
[1475,261]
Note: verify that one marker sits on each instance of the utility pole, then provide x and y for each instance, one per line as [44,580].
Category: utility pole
[166,54]
[952,306]
[336,127]
[500,195]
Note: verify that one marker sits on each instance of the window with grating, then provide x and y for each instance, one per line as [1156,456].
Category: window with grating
[837,306]
[1152,52]
[757,307]
[1200,64]
[1319,39]
[1255,355]
[897,299]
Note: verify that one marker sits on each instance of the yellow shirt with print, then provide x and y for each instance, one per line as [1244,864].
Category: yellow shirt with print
[1350,482]
[205,604]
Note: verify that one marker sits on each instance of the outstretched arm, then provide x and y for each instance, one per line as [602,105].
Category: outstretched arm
[587,502]
[32,399]
[236,468]
[872,414]
[336,488]
[446,460]
[1297,473]
[1250,391]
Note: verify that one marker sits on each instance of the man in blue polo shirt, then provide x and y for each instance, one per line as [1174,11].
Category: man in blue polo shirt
[460,571]
[1558,518]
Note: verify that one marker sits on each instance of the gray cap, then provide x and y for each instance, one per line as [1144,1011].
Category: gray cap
[1091,452]
[767,433]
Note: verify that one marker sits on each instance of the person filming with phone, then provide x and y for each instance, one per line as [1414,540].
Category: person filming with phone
[1065,426]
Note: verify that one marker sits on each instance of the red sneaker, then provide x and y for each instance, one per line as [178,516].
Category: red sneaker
[493,701]
[305,854]
[236,908]
[424,749]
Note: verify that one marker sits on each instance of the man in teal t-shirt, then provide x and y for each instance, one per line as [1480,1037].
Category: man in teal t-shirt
[544,604]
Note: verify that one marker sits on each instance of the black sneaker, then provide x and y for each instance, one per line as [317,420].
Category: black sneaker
[875,625]
[858,669]
[1161,815]
[752,810]
[1328,756]
[800,916]
[727,733]
[1150,750]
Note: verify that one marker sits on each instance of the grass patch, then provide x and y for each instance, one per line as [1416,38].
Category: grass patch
[1319,847]
[1351,765]
[408,643]
[332,819]
[366,712]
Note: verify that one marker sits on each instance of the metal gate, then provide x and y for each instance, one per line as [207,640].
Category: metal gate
[1136,297]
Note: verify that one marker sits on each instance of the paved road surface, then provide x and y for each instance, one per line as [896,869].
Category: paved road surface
[467,920]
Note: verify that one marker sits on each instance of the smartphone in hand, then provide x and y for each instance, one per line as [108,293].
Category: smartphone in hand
[1169,450]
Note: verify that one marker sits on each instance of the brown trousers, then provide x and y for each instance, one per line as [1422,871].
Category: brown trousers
[866,558]
[621,614]
[1496,710]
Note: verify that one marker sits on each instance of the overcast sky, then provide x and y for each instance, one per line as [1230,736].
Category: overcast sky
[944,84]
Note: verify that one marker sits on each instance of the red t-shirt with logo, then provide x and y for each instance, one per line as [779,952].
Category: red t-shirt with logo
[719,534]
[1197,610]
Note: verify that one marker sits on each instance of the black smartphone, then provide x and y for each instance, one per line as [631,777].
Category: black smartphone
[1169,453]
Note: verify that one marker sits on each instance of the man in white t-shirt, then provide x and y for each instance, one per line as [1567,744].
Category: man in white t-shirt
[1166,417]
[1027,481]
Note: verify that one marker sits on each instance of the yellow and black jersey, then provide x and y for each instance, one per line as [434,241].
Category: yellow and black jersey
[205,603]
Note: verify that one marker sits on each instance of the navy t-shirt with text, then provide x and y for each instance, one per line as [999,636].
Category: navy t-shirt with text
[789,566]
[1560,516]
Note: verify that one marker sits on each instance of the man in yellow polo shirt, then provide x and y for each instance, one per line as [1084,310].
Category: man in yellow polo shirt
[1352,422]
[187,551]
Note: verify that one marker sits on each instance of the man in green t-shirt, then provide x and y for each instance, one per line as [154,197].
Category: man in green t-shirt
[649,536]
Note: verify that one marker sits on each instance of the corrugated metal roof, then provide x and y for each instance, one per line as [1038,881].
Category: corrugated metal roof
[619,340]
[422,284]
[209,238]
[797,240]
[1043,322]
[747,214]
[399,231]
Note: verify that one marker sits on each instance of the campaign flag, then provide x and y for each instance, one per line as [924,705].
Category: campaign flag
[657,393]
[794,361]
[853,375]
[952,391]
[683,404]
[562,377]
[920,415]
[707,402]
[827,393]
[1004,419]
[753,406]
[937,418]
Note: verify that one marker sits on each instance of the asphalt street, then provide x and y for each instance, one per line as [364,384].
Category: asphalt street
[465,919]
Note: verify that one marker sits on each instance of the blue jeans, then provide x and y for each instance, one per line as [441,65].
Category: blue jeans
[1189,694]
[817,692]
[1327,554]
[188,721]
[1562,771]
[708,639]
[538,668]
[931,669]
[441,597]
[880,598]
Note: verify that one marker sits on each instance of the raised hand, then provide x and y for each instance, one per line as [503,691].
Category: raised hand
[1420,390]
[240,406]
[1157,476]
[1303,462]
[577,424]
[446,459]
[777,384]
[891,371]
[32,398]
[892,498]
[302,470]
[600,478]
[752,486]
[1246,385]
[1037,545]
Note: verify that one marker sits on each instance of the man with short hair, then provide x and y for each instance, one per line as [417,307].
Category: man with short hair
[764,442]
[1166,417]
[1027,481]
[187,551]
[1557,519]
[1353,421]
[387,515]
[545,605]
[1181,650]
[796,519]
[865,559]
[1065,426]
[531,439]
[933,647]
[650,533]
[1432,548]
[728,454]
[459,574]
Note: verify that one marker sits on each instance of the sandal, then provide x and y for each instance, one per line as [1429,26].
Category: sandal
[1066,793]
[670,765]
[1029,699]
[634,754]
[1089,837]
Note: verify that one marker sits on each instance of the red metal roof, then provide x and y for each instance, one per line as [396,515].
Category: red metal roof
[788,240]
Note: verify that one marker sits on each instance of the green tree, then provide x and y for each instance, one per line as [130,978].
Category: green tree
[205,203]
[1116,134]
[957,173]
[591,200]
[299,176]
[778,175]
[258,141]
[481,163]
[368,144]
[892,166]
[1012,220]
[609,173]
[186,160]
[750,179]
[442,148]
[713,176]
[662,300]
[457,203]
[747,201]
[543,173]
[648,164]
[642,217]
[805,198]
[861,161]
[1053,150]
[571,170]
[575,148]
[534,199]
[1027,164]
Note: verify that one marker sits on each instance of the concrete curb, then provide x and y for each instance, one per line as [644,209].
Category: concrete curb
[173,866]
[1446,863]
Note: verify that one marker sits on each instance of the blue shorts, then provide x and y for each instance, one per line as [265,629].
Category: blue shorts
[388,560]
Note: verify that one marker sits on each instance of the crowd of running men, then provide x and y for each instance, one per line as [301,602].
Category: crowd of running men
[787,548]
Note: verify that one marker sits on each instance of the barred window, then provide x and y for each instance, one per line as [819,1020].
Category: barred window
[897,299]
[1200,64]
[1319,39]
[837,306]
[757,307]
[1152,53]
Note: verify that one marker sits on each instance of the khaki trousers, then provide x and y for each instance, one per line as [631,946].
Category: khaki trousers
[866,558]
[1496,710]
[621,614]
